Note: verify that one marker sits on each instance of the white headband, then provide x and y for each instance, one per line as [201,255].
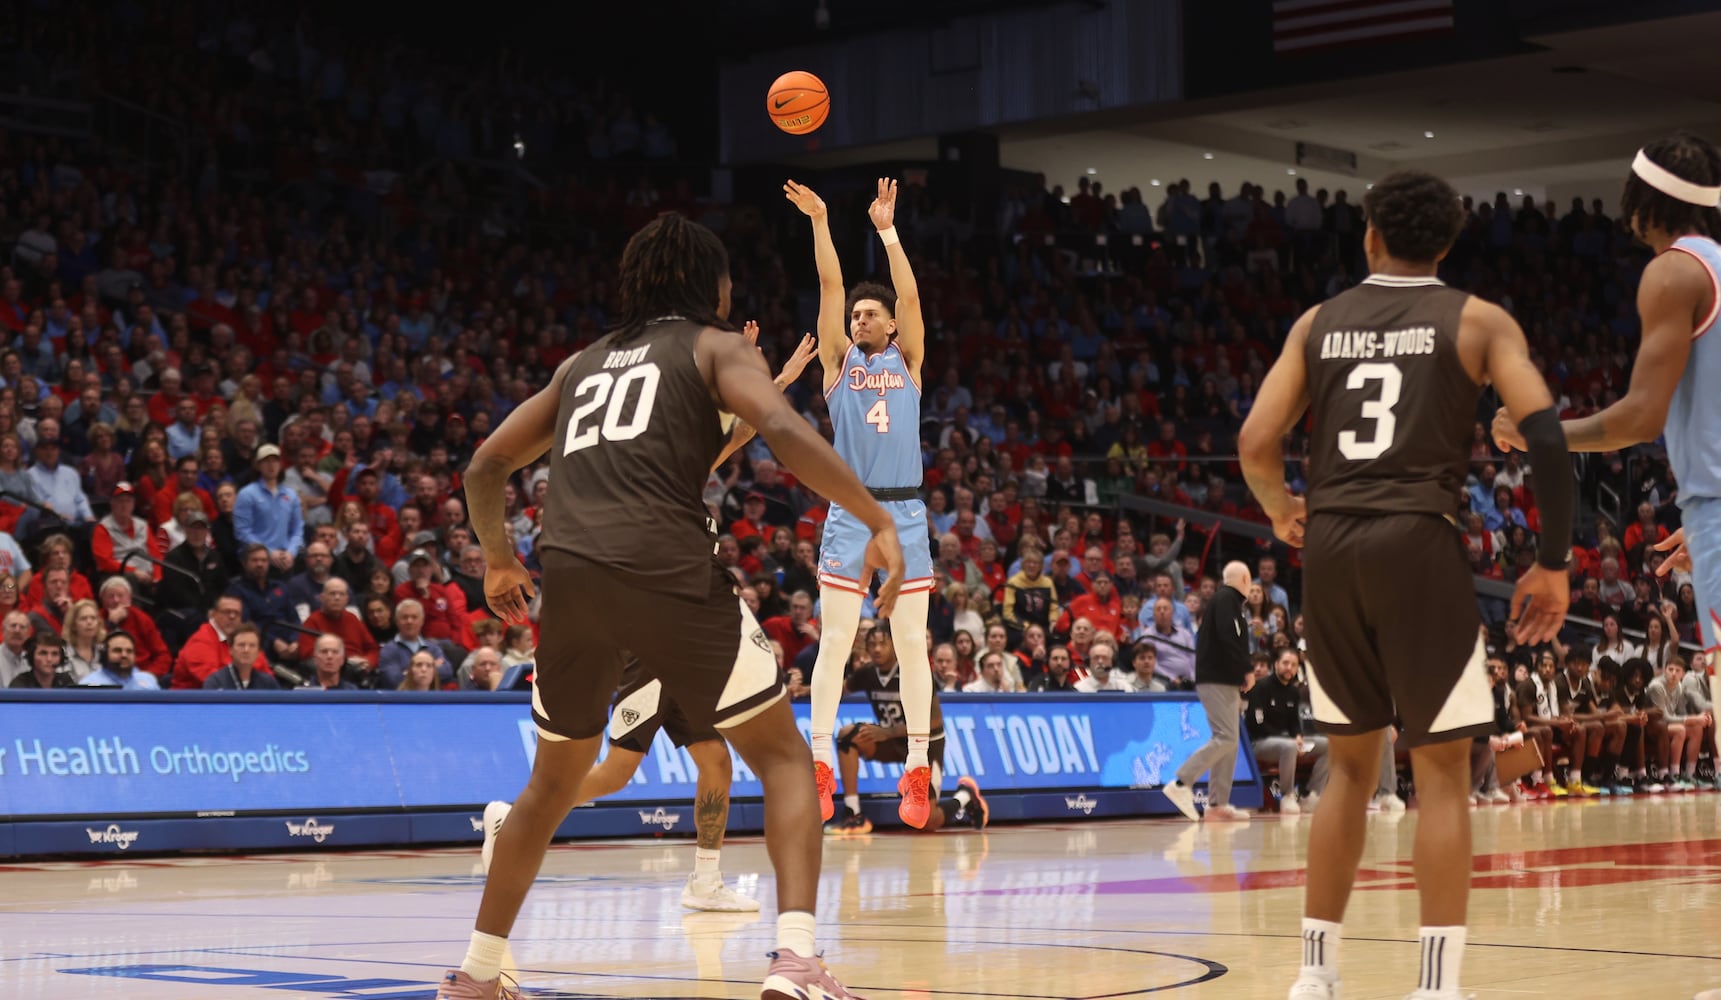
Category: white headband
[1672,185]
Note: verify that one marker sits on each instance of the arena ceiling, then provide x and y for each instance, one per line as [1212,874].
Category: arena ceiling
[1558,122]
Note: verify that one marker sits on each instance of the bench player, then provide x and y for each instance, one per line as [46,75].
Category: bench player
[887,743]
[871,344]
[1393,370]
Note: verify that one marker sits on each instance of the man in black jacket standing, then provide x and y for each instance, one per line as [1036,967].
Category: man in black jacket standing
[1223,674]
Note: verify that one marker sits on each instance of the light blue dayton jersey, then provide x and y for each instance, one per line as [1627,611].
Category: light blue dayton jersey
[1694,418]
[875,412]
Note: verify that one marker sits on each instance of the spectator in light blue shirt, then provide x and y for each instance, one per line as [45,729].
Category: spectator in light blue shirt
[119,666]
[57,486]
[268,514]
[184,433]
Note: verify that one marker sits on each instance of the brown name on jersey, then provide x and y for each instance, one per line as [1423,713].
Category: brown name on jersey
[1362,345]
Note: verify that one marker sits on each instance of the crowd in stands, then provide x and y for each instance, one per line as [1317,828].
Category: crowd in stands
[232,428]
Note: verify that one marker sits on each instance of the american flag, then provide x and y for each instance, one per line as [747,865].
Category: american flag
[1305,25]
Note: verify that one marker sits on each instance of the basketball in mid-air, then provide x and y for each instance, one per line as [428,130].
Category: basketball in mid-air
[798,102]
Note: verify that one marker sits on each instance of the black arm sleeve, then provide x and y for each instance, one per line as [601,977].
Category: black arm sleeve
[1551,463]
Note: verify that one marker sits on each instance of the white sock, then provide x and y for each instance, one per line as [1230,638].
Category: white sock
[1442,954]
[853,802]
[917,750]
[963,796]
[705,864]
[795,933]
[839,614]
[1321,947]
[484,956]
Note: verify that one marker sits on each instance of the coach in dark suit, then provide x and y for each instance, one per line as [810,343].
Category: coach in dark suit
[1223,674]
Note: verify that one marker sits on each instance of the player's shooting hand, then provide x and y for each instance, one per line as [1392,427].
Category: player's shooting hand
[1289,524]
[803,198]
[751,332]
[805,351]
[884,552]
[1678,558]
[508,589]
[1506,433]
[1539,604]
[883,208]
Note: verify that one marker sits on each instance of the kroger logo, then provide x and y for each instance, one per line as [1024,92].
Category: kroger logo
[318,832]
[113,836]
[660,817]
[1080,803]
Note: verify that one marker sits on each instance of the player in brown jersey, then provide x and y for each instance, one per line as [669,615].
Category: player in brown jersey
[1392,371]
[633,424]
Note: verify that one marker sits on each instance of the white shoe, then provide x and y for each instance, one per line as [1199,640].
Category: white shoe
[1311,987]
[1227,812]
[1183,797]
[1499,797]
[713,896]
[1289,806]
[1442,995]
[1388,803]
[494,814]
[1708,995]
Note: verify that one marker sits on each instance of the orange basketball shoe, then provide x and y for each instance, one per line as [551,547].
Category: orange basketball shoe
[915,789]
[826,782]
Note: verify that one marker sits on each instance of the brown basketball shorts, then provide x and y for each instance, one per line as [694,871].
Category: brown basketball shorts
[711,656]
[1393,628]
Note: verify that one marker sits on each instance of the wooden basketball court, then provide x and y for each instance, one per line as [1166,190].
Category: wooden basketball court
[1582,900]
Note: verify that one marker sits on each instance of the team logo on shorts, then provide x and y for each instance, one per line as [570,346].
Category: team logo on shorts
[762,640]
[834,563]
[629,716]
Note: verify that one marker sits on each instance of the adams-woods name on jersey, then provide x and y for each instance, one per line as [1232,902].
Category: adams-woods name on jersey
[862,380]
[1355,345]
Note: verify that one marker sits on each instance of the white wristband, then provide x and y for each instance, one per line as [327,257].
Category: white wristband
[889,236]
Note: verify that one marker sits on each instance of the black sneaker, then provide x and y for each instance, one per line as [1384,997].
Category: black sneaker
[978,813]
[852,825]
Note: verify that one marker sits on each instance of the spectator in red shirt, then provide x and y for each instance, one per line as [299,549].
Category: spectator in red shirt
[1100,605]
[334,619]
[117,608]
[185,472]
[445,611]
[1645,529]
[1166,447]
[120,535]
[165,402]
[752,518]
[384,524]
[796,630]
[207,650]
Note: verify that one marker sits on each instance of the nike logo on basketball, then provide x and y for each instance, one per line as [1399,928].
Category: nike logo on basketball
[779,102]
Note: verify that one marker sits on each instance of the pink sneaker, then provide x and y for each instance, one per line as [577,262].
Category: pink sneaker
[795,978]
[457,985]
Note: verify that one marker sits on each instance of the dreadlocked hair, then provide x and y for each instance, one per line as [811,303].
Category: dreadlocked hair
[672,266]
[1416,213]
[1688,157]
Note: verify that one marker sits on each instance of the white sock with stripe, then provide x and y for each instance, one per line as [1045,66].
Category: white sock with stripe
[1321,940]
[1442,955]
[483,960]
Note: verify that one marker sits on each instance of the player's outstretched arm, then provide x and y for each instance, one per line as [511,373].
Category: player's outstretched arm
[910,325]
[1674,287]
[741,384]
[833,323]
[1543,594]
[522,439]
[1278,406]
[743,432]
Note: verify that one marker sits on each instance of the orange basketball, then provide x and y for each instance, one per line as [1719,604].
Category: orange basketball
[798,102]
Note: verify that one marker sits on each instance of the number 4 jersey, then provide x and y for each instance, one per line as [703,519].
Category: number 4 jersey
[636,433]
[1393,408]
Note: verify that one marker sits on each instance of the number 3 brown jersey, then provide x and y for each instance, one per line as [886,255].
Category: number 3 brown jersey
[1393,408]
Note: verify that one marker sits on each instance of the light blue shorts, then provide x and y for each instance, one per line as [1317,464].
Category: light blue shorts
[843,554]
[1702,519]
